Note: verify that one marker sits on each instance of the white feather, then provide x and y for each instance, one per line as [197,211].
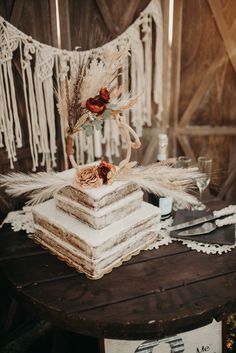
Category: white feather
[156,178]
[181,196]
[101,73]
[164,181]
[38,187]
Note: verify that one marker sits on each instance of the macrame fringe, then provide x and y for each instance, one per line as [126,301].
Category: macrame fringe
[139,75]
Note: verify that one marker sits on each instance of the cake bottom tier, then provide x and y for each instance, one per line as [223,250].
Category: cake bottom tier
[95,252]
[93,269]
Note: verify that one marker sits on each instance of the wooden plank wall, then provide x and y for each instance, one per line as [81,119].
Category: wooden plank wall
[86,24]
[33,18]
[202,116]
[204,87]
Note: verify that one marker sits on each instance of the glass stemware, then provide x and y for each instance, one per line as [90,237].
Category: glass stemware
[205,167]
[184,162]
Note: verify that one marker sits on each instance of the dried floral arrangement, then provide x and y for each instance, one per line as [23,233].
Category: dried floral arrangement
[89,96]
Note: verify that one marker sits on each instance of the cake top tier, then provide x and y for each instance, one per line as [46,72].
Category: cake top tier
[98,193]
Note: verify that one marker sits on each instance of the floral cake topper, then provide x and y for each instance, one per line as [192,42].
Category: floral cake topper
[95,175]
[86,98]
[90,96]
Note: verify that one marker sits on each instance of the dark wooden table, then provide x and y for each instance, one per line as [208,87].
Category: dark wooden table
[158,293]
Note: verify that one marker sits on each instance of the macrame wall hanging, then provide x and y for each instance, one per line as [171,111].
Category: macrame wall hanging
[43,65]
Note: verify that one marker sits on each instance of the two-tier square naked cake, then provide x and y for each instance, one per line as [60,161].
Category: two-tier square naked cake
[99,207]
[95,230]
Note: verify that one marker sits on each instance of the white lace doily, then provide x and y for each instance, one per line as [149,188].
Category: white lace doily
[165,239]
[23,220]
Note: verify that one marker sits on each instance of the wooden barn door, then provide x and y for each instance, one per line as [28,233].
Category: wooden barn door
[203,110]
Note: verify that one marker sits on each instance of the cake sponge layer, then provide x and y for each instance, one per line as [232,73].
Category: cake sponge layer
[104,216]
[97,198]
[95,252]
[95,270]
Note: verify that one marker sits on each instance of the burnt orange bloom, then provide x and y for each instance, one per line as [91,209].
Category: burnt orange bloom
[95,105]
[104,94]
[103,169]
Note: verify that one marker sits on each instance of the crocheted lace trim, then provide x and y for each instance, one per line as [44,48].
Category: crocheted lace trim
[23,220]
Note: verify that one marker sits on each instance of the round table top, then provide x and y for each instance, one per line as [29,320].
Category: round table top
[156,294]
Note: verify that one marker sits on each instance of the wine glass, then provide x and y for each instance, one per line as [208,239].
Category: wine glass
[184,162]
[205,167]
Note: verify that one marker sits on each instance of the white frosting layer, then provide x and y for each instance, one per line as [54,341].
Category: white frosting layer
[107,256]
[137,195]
[96,193]
[94,238]
[96,268]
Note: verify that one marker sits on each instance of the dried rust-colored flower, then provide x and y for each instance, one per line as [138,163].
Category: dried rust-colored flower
[104,94]
[105,171]
[87,177]
[95,105]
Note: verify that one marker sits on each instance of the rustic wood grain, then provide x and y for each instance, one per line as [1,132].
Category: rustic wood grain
[186,147]
[204,91]
[16,245]
[208,130]
[170,311]
[54,33]
[175,81]
[107,16]
[216,7]
[80,294]
[158,293]
[64,18]
[94,23]
[198,96]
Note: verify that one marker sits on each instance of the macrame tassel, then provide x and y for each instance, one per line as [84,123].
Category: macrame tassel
[158,64]
[9,110]
[6,117]
[1,118]
[45,103]
[42,120]
[12,97]
[33,116]
[138,74]
[90,149]
[97,137]
[82,146]
[10,130]
[107,139]
[50,114]
[147,39]
[62,123]
[115,139]
[77,149]
[111,139]
[135,116]
[32,137]
[125,85]
[138,118]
